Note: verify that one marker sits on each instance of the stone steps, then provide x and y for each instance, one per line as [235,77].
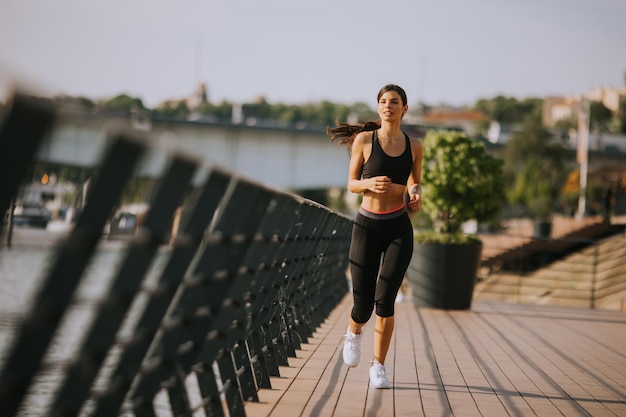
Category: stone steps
[568,281]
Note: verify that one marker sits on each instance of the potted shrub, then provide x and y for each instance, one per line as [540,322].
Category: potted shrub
[460,182]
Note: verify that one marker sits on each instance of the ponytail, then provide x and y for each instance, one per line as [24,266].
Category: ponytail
[345,133]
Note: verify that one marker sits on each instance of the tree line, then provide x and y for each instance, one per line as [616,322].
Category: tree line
[502,109]
[537,160]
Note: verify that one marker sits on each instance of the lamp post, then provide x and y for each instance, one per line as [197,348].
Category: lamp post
[582,147]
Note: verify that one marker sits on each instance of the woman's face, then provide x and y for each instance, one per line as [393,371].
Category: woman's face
[390,107]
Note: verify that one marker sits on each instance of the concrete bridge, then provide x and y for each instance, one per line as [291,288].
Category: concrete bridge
[285,158]
[280,157]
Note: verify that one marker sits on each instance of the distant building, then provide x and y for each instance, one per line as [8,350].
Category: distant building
[198,97]
[610,97]
[467,120]
[559,108]
[567,108]
[193,101]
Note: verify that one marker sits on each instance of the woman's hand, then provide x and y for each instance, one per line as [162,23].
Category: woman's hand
[415,198]
[379,185]
[415,202]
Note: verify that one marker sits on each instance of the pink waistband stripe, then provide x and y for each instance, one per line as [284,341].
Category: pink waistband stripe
[384,212]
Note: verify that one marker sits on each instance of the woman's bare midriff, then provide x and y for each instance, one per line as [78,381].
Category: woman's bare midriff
[391,200]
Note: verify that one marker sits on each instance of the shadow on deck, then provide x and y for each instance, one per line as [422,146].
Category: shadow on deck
[497,359]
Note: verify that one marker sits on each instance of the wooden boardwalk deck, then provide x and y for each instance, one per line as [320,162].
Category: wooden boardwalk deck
[499,359]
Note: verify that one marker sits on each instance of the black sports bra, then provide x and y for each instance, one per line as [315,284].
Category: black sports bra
[398,168]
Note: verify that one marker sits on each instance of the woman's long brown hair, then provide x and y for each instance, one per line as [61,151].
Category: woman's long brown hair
[344,133]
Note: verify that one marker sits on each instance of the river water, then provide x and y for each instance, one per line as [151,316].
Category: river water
[22,267]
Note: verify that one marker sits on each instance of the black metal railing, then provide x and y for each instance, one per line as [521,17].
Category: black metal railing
[246,278]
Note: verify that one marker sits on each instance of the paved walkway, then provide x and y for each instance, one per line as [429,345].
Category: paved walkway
[498,359]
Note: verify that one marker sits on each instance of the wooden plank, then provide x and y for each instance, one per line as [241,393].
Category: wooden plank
[407,398]
[497,359]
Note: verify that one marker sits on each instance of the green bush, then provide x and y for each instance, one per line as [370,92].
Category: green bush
[460,181]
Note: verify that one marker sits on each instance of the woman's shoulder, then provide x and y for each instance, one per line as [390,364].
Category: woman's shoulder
[417,148]
[415,142]
[363,138]
[412,139]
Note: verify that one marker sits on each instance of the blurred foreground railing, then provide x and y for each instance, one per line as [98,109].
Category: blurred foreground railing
[247,277]
[561,271]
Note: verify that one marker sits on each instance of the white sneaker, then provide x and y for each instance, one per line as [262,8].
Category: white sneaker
[378,376]
[352,348]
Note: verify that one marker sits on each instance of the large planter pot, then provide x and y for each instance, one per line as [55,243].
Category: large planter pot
[443,275]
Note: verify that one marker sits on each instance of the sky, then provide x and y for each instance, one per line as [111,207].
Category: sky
[291,51]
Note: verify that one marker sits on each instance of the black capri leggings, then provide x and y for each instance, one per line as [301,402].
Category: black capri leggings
[373,236]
